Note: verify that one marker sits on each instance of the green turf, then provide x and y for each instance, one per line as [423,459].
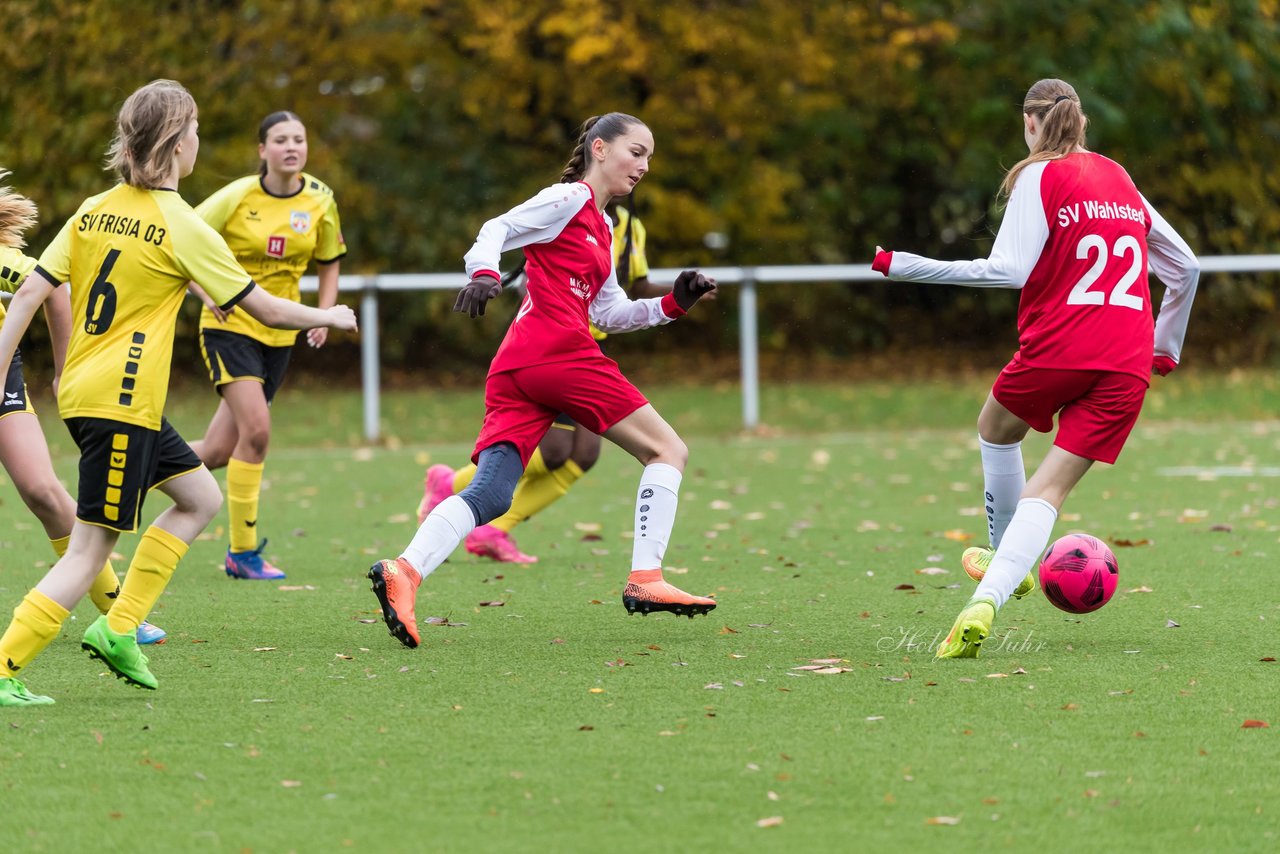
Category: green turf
[288,720]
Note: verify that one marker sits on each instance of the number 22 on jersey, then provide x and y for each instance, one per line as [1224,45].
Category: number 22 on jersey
[1096,246]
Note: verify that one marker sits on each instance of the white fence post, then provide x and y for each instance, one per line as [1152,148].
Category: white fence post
[749,351]
[369,349]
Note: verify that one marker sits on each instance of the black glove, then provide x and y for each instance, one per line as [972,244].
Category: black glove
[690,287]
[476,293]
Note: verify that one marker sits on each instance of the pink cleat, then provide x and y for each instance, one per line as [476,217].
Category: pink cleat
[436,487]
[491,542]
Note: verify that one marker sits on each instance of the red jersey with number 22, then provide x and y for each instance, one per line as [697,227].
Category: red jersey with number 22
[1087,303]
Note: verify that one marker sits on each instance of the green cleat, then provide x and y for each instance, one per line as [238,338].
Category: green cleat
[120,652]
[970,630]
[14,693]
[976,560]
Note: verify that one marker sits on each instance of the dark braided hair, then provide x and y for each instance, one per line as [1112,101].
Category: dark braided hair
[608,127]
[267,124]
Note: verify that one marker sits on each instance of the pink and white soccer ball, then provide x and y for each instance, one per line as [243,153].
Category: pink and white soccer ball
[1079,573]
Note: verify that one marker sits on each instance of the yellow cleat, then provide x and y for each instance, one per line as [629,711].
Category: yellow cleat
[970,630]
[976,560]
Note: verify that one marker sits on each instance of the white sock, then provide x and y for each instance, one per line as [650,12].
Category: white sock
[439,534]
[1003,479]
[1023,543]
[655,515]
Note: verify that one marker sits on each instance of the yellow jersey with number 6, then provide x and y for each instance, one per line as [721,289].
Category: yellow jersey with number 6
[128,254]
[274,238]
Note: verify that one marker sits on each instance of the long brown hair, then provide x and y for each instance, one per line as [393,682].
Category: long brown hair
[17,214]
[267,124]
[151,123]
[608,127]
[1062,125]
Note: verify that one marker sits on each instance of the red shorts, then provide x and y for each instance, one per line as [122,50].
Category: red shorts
[521,404]
[1096,409]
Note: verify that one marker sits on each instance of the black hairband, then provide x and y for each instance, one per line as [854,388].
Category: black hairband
[1061,98]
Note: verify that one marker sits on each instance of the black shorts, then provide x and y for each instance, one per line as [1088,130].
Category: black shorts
[119,463]
[15,389]
[230,356]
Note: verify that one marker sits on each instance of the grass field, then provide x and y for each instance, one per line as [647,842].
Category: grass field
[288,720]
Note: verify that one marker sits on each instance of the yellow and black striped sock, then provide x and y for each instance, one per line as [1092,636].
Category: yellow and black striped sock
[106,586]
[244,484]
[153,564]
[36,622]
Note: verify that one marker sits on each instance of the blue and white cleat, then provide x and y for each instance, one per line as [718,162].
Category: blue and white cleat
[251,565]
[150,634]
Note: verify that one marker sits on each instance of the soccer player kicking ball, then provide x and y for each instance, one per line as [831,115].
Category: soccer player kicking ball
[549,364]
[1077,238]
[128,254]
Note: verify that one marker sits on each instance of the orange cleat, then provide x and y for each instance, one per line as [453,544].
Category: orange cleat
[646,592]
[491,542]
[436,487]
[395,583]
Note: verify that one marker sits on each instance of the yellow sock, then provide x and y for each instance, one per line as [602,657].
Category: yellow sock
[462,477]
[244,483]
[153,565]
[106,587]
[537,490]
[36,621]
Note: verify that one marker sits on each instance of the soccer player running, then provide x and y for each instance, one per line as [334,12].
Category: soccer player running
[128,254]
[548,364]
[568,450]
[23,450]
[275,222]
[1077,239]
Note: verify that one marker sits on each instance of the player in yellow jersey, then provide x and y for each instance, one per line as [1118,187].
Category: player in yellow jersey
[568,451]
[275,222]
[128,254]
[23,450]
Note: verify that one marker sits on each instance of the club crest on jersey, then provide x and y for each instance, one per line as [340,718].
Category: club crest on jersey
[300,221]
[275,246]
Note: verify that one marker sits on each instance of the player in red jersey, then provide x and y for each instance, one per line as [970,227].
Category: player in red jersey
[549,363]
[1078,240]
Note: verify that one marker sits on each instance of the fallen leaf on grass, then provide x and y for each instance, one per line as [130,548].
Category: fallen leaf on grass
[1269,658]
[398,519]
[771,821]
[343,656]
[588,527]
[1170,624]
[875,718]
[997,675]
[827,660]
[1252,724]
[441,621]
[97,736]
[265,648]
[831,671]
[1121,542]
[1142,589]
[1070,707]
[595,690]
[958,535]
[585,728]
[728,631]
[291,784]
[1226,529]
[932,570]
[364,620]
[292,587]
[713,686]
[905,587]
[943,820]
[492,603]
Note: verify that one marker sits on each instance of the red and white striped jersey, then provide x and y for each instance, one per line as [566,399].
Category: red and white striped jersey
[1079,239]
[567,242]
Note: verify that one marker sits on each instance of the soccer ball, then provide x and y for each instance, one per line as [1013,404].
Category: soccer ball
[1079,573]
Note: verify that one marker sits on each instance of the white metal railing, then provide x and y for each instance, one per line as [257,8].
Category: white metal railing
[746,278]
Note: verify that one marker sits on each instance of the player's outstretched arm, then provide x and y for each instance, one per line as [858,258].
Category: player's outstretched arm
[34,291]
[57,314]
[287,314]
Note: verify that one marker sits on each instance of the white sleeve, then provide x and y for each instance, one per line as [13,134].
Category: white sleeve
[1019,242]
[1177,267]
[613,311]
[539,220]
